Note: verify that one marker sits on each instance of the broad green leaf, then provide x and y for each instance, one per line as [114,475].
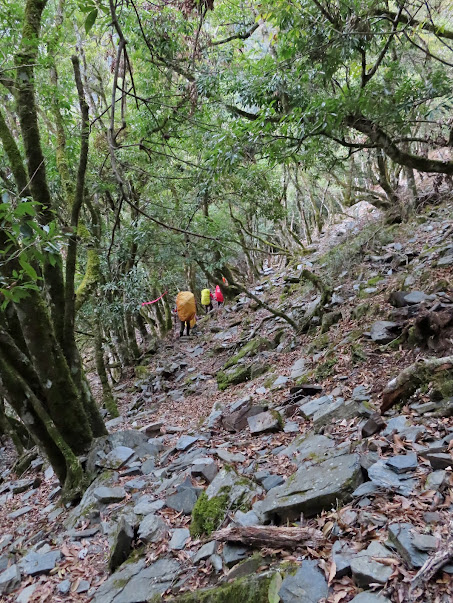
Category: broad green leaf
[89,21]
[274,587]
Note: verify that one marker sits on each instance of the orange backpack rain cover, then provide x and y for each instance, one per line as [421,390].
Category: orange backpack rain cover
[185,306]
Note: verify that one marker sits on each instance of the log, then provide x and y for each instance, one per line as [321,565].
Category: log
[431,566]
[421,372]
[271,536]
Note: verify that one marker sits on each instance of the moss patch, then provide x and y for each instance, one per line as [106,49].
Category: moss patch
[250,589]
[225,379]
[208,513]
[251,348]
[326,368]
[318,344]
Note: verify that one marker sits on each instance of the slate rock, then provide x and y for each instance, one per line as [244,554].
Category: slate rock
[230,457]
[400,534]
[373,425]
[403,462]
[366,570]
[309,409]
[436,480]
[21,485]
[152,529]
[180,537]
[337,411]
[424,542]
[237,420]
[121,544]
[89,500]
[312,489]
[244,568]
[135,484]
[204,467]
[307,389]
[234,553]
[84,586]
[81,534]
[383,476]
[136,583]
[264,422]
[108,495]
[280,382]
[360,394]
[35,564]
[311,446]
[26,594]
[308,584]
[118,457]
[439,460]
[9,579]
[416,297]
[272,481]
[298,368]
[246,519]
[396,424]
[19,512]
[384,331]
[369,597]
[238,487]
[185,442]
[183,501]
[208,549]
[342,554]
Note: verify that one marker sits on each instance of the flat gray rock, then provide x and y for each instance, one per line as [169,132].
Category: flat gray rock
[204,467]
[118,457]
[310,447]
[148,506]
[403,462]
[234,553]
[19,512]
[230,457]
[108,495]
[179,539]
[240,490]
[35,564]
[337,411]
[384,331]
[9,580]
[439,460]
[308,585]
[416,297]
[26,594]
[298,368]
[313,489]
[185,442]
[152,528]
[208,549]
[263,422]
[136,583]
[401,534]
[309,409]
[272,481]
[246,519]
[342,555]
[183,501]
[366,570]
[381,475]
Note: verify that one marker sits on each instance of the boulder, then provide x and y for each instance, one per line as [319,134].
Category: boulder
[342,555]
[185,442]
[381,475]
[234,553]
[265,421]
[384,331]
[313,489]
[298,368]
[204,467]
[117,458]
[237,420]
[403,462]
[307,585]
[180,537]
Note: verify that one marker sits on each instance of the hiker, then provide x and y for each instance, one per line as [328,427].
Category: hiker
[186,309]
[218,296]
[206,297]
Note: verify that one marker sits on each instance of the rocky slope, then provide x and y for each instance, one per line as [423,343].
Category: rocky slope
[248,425]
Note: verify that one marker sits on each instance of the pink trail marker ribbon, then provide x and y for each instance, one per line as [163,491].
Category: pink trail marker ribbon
[154,300]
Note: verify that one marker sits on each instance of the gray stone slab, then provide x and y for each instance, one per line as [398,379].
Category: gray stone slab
[35,564]
[307,585]
[383,476]
[108,495]
[121,543]
[230,457]
[313,489]
[19,512]
[208,549]
[263,422]
[26,594]
[403,462]
[400,534]
[342,555]
[367,570]
[234,553]
[369,597]
[9,579]
[118,457]
[183,501]
[337,411]
[272,481]
[180,537]
[152,528]
[185,442]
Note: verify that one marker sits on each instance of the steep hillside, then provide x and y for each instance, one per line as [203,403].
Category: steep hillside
[253,458]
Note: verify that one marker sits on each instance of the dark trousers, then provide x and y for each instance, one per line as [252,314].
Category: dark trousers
[184,324]
[208,308]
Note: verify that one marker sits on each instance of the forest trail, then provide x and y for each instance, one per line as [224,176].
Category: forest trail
[296,412]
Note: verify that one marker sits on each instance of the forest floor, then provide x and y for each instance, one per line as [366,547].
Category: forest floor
[174,400]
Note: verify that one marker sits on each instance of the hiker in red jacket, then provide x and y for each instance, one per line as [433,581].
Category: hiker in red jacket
[218,296]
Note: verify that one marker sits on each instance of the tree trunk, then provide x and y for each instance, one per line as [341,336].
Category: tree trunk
[107,396]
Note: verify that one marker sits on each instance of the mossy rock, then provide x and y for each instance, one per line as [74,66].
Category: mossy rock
[326,368]
[319,343]
[227,378]
[141,372]
[330,319]
[208,513]
[357,354]
[251,348]
[361,310]
[374,281]
[250,589]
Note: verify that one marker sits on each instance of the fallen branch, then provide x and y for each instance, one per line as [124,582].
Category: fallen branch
[431,566]
[270,536]
[411,378]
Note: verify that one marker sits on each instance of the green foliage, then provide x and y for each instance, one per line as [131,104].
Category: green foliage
[208,513]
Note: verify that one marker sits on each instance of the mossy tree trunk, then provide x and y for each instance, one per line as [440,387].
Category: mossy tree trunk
[37,349]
